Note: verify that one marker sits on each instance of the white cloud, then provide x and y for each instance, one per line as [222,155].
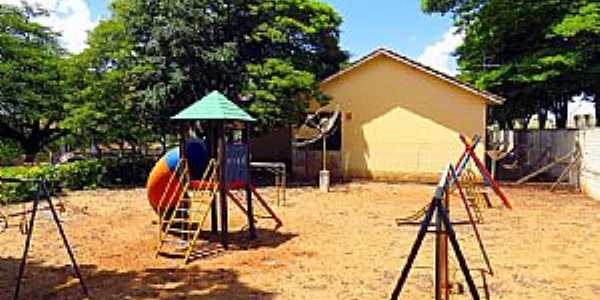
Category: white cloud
[439,54]
[71,18]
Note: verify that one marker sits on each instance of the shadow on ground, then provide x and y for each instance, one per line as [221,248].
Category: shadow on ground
[209,246]
[52,282]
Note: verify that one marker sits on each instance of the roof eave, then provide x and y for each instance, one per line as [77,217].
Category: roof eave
[491,99]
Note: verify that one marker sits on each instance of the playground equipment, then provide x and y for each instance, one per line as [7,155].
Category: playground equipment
[278,169]
[42,192]
[163,171]
[444,232]
[501,145]
[474,195]
[183,199]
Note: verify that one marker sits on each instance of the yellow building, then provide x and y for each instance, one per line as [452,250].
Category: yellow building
[400,120]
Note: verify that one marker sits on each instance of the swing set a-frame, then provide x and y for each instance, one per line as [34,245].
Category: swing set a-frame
[444,230]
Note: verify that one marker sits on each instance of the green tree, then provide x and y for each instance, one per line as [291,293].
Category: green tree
[104,108]
[272,53]
[537,54]
[32,89]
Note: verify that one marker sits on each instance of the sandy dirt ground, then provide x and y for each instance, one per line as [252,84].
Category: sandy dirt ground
[341,245]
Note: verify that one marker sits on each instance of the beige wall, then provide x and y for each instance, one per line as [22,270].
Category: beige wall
[401,123]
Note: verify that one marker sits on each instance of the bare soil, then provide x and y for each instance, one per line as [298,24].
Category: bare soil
[340,245]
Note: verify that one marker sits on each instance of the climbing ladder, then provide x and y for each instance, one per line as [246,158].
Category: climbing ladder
[474,195]
[190,205]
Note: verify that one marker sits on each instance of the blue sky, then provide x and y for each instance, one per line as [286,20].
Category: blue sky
[98,8]
[396,24]
[399,25]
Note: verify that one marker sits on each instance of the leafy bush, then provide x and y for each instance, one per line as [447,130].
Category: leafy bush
[78,175]
[130,172]
[13,192]
[9,150]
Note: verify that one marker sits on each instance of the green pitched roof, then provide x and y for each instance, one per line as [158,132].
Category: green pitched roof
[214,106]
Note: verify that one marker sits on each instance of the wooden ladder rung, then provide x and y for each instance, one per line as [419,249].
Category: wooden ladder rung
[181,220]
[177,230]
[178,242]
[189,210]
[263,217]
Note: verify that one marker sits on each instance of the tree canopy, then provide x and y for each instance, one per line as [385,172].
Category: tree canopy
[537,54]
[103,106]
[33,93]
[266,55]
[151,58]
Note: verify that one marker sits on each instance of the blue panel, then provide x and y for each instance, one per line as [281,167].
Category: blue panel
[237,167]
[197,155]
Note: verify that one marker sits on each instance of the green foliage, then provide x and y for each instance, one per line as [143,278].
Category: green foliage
[278,89]
[271,52]
[85,174]
[152,58]
[130,172]
[15,192]
[103,106]
[585,19]
[32,89]
[537,54]
[9,150]
[77,175]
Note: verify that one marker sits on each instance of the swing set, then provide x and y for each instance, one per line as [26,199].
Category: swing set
[444,232]
[41,194]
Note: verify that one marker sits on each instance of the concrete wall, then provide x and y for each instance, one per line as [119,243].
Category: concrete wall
[534,149]
[590,166]
[400,123]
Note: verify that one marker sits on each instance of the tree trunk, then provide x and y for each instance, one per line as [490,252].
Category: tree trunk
[542,118]
[526,120]
[510,125]
[32,144]
[562,112]
[31,149]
